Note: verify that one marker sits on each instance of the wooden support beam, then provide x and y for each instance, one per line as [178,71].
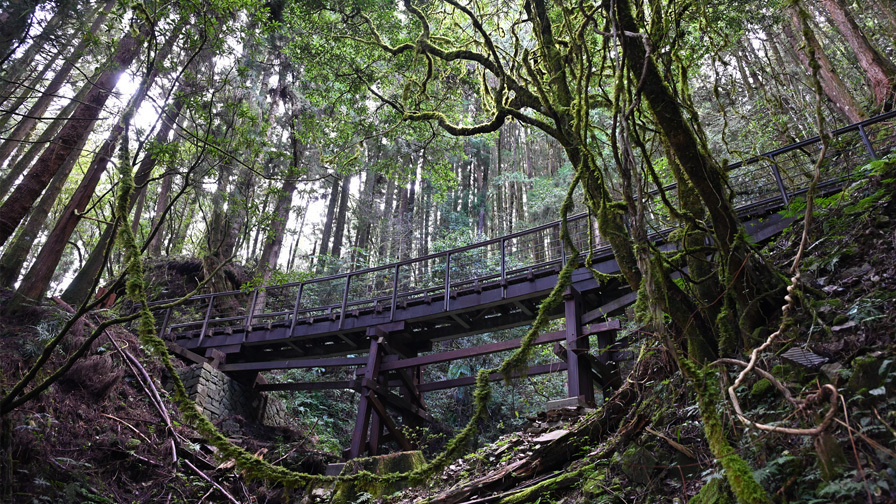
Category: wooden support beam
[460,320]
[399,402]
[600,327]
[327,385]
[384,417]
[394,363]
[560,351]
[580,383]
[523,308]
[362,421]
[609,308]
[467,381]
[294,364]
[186,354]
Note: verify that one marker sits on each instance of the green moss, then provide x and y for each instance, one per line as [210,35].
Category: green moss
[533,493]
[716,491]
[727,337]
[348,491]
[864,373]
[761,388]
[594,484]
[737,472]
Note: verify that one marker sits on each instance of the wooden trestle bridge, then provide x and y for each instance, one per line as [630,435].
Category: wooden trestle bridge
[383,321]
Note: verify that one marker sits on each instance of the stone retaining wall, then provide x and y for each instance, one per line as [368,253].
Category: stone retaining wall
[219,397]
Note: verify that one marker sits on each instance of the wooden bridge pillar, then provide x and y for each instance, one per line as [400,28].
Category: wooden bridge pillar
[373,421]
[579,384]
[365,408]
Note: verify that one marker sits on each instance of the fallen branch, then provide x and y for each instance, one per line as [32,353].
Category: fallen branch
[151,391]
[129,426]
[554,455]
[206,478]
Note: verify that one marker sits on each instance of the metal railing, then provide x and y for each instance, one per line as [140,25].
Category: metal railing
[759,183]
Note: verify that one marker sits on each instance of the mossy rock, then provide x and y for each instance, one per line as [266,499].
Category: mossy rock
[831,458]
[716,491]
[594,484]
[789,373]
[598,489]
[347,492]
[761,388]
[864,374]
[638,464]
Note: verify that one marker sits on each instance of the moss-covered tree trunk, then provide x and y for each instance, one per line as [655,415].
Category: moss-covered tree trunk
[750,279]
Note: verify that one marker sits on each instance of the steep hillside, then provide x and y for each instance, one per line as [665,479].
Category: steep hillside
[107,432]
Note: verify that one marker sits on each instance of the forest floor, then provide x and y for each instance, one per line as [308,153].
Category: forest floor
[99,435]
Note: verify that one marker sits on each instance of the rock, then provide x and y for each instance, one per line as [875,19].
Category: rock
[638,464]
[843,327]
[864,374]
[832,371]
[349,491]
[550,436]
[857,271]
[831,458]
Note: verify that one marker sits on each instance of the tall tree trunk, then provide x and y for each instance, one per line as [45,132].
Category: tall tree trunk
[17,250]
[881,72]
[155,243]
[363,215]
[482,196]
[79,288]
[20,165]
[400,226]
[831,84]
[15,20]
[339,229]
[36,282]
[50,93]
[10,102]
[328,223]
[26,193]
[296,248]
[386,228]
[270,254]
[751,278]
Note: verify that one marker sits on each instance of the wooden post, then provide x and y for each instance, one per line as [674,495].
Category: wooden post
[868,147]
[362,422]
[580,384]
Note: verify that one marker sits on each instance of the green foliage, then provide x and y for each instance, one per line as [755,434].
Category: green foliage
[325,415]
[277,277]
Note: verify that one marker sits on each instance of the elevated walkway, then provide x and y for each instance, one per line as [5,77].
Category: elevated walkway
[383,321]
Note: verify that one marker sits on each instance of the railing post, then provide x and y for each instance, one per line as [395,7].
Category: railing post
[394,292]
[295,310]
[562,248]
[208,314]
[165,324]
[251,312]
[868,146]
[344,299]
[779,181]
[503,269]
[447,280]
